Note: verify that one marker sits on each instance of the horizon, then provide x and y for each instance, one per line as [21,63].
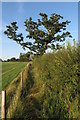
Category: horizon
[18,11]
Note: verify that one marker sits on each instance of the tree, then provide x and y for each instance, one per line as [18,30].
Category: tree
[44,32]
[13,59]
[25,56]
[1,60]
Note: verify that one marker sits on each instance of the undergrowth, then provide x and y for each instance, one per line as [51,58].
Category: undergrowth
[51,87]
[60,74]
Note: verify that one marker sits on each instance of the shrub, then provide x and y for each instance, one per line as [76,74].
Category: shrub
[59,72]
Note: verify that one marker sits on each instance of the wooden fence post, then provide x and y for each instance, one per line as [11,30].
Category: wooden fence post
[22,80]
[4,105]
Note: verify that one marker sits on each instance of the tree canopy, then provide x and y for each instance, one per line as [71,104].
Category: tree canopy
[45,32]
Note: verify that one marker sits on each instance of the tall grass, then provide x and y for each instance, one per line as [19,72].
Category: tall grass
[60,74]
[51,87]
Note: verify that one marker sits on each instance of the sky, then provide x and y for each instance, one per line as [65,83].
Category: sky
[19,11]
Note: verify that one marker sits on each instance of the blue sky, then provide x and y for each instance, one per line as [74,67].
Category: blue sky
[19,11]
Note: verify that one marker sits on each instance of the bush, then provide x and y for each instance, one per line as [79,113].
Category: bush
[60,74]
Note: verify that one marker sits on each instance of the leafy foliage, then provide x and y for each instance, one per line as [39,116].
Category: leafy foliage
[60,74]
[44,33]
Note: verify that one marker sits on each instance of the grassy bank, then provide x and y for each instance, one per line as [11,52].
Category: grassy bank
[51,87]
[60,75]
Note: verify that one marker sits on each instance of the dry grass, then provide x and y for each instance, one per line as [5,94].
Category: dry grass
[13,94]
[24,103]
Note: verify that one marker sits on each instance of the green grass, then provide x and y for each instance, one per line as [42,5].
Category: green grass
[59,72]
[51,87]
[10,70]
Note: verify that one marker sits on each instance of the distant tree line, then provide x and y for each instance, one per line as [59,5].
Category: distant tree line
[1,60]
[26,57]
[23,57]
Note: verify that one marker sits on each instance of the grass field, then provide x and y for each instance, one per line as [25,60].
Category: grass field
[10,70]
